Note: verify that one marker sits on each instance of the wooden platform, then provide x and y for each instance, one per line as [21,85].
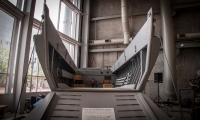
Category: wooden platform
[2,109]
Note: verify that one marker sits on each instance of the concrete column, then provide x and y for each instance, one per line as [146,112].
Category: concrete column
[85,34]
[169,48]
[23,56]
[76,54]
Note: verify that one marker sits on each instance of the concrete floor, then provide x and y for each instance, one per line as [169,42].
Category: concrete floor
[176,114]
[10,116]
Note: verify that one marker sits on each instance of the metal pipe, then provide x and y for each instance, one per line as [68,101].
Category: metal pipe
[85,35]
[107,42]
[188,36]
[187,44]
[125,21]
[169,49]
[107,50]
[119,16]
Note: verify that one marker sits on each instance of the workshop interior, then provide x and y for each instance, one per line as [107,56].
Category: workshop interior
[100,60]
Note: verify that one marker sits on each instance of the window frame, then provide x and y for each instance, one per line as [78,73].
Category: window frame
[17,14]
[15,11]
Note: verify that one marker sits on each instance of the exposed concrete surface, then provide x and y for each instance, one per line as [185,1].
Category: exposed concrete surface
[184,21]
[151,87]
[106,29]
[187,65]
[112,28]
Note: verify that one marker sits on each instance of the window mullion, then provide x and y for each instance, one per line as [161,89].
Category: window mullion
[12,56]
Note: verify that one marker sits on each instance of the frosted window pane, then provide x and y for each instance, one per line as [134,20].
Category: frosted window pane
[38,9]
[53,6]
[14,2]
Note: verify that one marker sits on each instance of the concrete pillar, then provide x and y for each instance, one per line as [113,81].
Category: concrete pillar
[85,34]
[23,56]
[76,54]
[169,48]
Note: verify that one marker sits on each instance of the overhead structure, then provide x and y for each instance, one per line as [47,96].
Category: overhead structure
[125,21]
[126,100]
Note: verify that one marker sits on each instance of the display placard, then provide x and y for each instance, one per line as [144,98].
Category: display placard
[98,114]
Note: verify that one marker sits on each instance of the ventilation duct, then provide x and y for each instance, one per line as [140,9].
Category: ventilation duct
[107,41]
[188,36]
[107,50]
[125,21]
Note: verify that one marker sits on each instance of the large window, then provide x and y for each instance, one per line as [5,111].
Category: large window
[38,9]
[53,6]
[14,2]
[77,3]
[70,48]
[36,80]
[6,28]
[69,22]
[64,19]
